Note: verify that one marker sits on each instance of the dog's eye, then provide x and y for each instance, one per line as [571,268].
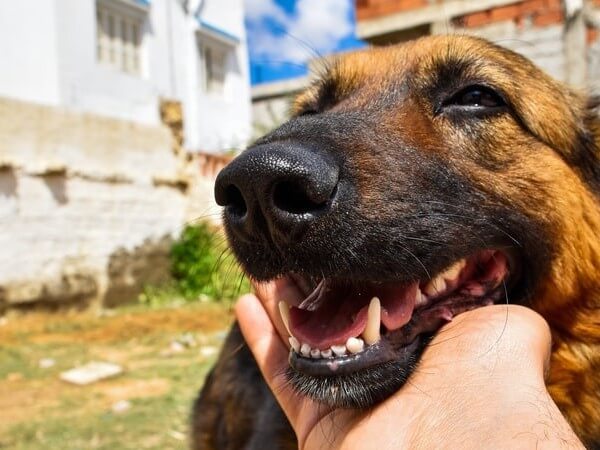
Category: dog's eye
[476,97]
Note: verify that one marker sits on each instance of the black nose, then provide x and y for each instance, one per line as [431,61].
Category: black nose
[277,188]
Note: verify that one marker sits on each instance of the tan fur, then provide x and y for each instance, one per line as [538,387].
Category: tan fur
[569,297]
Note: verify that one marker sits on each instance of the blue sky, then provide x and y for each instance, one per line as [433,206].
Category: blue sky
[284,34]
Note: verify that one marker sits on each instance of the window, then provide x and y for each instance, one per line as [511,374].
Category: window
[119,37]
[213,59]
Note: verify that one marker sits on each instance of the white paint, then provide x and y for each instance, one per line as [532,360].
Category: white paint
[75,191]
[29,54]
[49,56]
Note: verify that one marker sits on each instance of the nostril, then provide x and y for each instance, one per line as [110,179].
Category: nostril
[234,201]
[292,198]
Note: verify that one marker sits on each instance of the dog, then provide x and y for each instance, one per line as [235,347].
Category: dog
[412,183]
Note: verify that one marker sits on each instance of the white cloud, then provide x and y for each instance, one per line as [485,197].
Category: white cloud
[315,27]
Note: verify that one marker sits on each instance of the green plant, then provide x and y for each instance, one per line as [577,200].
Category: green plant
[202,265]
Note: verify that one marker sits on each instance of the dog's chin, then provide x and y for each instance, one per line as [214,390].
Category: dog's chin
[362,388]
[354,343]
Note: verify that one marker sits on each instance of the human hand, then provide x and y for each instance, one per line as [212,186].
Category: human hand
[480,384]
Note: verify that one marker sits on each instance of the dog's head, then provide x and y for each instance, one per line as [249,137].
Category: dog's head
[413,183]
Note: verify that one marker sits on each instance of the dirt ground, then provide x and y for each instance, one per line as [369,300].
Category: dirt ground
[165,354]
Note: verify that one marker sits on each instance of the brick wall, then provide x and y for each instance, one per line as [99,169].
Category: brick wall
[88,206]
[369,9]
[535,28]
[537,13]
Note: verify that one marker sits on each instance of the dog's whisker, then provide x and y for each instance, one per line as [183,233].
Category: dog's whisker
[413,184]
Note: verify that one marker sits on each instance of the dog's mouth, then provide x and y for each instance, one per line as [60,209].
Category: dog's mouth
[347,326]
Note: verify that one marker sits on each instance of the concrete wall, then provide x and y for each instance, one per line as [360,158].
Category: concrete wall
[271,103]
[88,206]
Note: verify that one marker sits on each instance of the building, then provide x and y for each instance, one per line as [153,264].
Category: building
[118,58]
[115,116]
[559,36]
[271,103]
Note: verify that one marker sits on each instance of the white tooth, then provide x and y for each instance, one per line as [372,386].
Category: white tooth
[305,350]
[326,353]
[371,333]
[315,353]
[295,344]
[339,350]
[435,286]
[420,299]
[284,310]
[452,272]
[355,345]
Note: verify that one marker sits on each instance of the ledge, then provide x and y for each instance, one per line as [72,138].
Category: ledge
[366,29]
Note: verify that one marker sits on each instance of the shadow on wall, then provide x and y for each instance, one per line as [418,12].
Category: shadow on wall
[70,290]
[130,270]
[8,182]
[78,286]
[57,185]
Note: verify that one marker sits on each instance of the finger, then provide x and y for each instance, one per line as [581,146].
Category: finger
[491,339]
[271,293]
[270,353]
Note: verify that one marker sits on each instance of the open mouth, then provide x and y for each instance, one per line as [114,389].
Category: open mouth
[347,326]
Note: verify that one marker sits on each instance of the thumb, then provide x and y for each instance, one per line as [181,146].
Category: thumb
[270,352]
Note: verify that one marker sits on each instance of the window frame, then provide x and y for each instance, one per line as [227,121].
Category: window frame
[121,45]
[210,39]
[214,61]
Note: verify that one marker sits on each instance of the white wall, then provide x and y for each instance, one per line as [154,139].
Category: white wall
[48,53]
[29,51]
[85,84]
[225,123]
[77,191]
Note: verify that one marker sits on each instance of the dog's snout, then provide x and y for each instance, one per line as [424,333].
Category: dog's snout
[283,186]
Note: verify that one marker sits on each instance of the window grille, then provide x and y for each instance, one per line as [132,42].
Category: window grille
[119,37]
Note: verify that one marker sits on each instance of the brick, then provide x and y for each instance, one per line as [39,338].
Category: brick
[532,6]
[510,12]
[548,18]
[376,8]
[552,5]
[592,35]
[477,19]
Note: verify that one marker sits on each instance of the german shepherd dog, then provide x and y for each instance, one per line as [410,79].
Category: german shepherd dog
[413,182]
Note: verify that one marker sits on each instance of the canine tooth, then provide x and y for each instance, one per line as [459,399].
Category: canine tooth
[315,353]
[371,333]
[420,299]
[305,350]
[295,344]
[326,353]
[355,345]
[339,350]
[284,310]
[435,286]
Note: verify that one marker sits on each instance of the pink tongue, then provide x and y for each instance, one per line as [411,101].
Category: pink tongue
[344,314]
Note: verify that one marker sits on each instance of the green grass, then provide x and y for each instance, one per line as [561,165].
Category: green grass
[38,411]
